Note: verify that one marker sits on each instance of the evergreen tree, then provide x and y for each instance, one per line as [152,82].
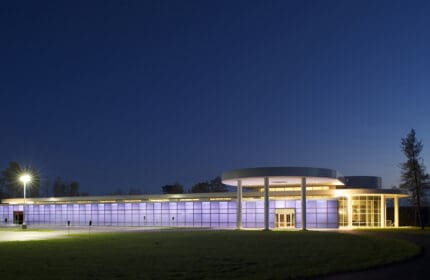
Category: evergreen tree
[414,177]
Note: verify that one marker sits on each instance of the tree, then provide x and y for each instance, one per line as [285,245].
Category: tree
[45,189]
[202,187]
[2,189]
[413,176]
[59,188]
[171,189]
[10,179]
[74,189]
[214,185]
[12,187]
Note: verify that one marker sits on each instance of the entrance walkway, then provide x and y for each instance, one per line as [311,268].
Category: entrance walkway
[41,232]
[28,235]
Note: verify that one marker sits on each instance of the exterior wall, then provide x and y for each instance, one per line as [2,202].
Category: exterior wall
[188,214]
[319,214]
[216,214]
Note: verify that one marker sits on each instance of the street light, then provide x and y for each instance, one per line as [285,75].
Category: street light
[24,178]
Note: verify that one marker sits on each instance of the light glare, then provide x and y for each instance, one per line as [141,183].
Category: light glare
[25,178]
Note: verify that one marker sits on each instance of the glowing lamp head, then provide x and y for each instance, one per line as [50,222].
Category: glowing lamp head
[25,178]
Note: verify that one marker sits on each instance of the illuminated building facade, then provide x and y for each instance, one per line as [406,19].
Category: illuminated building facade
[265,198]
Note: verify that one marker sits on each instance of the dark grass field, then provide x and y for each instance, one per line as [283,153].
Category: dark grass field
[416,268]
[198,255]
[407,230]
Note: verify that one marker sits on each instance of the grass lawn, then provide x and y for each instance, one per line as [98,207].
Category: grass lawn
[197,255]
[408,230]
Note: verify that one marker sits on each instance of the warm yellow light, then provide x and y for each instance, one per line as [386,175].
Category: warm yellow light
[158,200]
[25,178]
[189,199]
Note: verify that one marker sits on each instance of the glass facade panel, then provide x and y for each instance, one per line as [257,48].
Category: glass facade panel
[343,211]
[366,211]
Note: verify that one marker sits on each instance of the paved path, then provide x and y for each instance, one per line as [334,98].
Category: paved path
[28,235]
[415,268]
[9,233]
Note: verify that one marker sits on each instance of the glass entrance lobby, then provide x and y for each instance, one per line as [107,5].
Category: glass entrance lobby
[285,218]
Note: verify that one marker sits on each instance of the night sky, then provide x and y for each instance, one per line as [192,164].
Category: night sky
[120,94]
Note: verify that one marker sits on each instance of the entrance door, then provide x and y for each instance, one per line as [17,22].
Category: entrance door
[285,218]
[18,217]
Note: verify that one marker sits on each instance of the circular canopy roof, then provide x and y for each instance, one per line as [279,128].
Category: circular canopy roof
[281,176]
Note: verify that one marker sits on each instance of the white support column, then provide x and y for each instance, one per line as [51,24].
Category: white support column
[303,203]
[349,209]
[382,211]
[396,211]
[239,205]
[266,203]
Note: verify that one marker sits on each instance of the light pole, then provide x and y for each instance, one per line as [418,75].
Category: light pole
[24,178]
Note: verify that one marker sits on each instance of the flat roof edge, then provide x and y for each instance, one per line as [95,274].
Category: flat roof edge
[293,171]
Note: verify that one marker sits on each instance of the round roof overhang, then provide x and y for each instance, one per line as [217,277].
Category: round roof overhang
[281,176]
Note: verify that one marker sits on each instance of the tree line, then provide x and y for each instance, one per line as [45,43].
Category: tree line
[10,186]
[209,186]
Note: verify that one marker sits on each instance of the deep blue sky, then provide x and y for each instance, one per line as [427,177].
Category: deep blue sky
[117,94]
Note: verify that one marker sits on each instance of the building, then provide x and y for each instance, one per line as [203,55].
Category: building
[266,198]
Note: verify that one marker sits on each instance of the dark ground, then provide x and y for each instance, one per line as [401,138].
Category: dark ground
[415,268]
